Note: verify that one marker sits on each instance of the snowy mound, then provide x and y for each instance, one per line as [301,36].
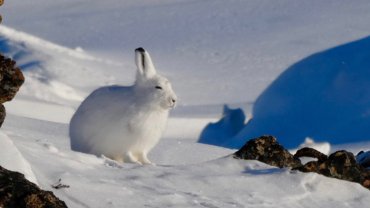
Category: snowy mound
[53,73]
[325,96]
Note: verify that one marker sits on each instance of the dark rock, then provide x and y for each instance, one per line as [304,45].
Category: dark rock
[312,166]
[2,114]
[11,79]
[310,152]
[266,149]
[16,191]
[340,164]
[363,158]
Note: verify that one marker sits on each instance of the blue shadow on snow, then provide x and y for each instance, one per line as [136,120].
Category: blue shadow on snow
[325,96]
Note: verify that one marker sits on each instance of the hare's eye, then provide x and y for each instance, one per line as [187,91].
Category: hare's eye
[158,87]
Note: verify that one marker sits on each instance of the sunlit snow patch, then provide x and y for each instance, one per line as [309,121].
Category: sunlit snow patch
[12,159]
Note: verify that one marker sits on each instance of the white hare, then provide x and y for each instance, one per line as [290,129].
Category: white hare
[124,122]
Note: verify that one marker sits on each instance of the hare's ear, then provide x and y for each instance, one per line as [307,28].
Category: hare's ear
[144,63]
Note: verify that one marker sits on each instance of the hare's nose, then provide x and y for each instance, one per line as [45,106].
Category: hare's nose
[173,102]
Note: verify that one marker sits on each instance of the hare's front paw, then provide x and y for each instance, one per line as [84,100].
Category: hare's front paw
[131,158]
[142,157]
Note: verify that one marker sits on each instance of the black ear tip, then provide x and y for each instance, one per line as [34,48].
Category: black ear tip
[140,50]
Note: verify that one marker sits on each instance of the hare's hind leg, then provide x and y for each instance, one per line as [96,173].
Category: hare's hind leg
[131,158]
[117,158]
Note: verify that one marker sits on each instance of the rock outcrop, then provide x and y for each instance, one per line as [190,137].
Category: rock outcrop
[266,149]
[11,79]
[16,191]
[341,164]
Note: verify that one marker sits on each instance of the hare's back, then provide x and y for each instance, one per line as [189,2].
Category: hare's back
[103,106]
[108,96]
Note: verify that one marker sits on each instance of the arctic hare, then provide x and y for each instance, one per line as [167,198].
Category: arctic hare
[124,122]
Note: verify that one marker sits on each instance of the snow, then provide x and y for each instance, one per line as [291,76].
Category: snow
[215,53]
[243,45]
[200,182]
[324,96]
[12,159]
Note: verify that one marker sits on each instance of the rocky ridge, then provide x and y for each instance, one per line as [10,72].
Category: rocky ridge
[340,164]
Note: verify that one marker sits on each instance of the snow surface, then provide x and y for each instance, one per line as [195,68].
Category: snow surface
[214,52]
[12,159]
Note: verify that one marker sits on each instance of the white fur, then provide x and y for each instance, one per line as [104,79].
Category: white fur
[124,123]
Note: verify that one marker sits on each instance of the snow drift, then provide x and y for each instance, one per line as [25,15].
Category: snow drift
[324,96]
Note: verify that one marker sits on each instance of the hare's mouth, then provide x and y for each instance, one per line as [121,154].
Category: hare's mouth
[168,103]
[172,106]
